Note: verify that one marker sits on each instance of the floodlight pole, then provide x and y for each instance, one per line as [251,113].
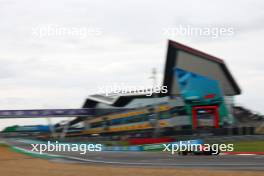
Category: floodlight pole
[155,107]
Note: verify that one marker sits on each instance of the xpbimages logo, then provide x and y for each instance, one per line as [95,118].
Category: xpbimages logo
[116,89]
[188,146]
[63,147]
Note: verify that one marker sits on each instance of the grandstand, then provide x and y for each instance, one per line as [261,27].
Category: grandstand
[200,97]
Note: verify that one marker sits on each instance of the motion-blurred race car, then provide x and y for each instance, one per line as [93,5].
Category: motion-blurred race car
[203,150]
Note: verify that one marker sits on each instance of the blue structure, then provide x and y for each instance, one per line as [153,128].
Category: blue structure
[197,87]
[203,99]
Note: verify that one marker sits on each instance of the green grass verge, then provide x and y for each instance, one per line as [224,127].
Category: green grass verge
[248,146]
[35,155]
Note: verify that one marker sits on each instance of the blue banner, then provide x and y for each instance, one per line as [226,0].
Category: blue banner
[56,112]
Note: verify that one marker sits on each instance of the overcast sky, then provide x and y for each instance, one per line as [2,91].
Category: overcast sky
[60,71]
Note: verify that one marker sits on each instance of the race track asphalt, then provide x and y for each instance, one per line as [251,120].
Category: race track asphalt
[157,159]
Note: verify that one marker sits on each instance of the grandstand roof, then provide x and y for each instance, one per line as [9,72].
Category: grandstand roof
[187,58]
[113,100]
[178,55]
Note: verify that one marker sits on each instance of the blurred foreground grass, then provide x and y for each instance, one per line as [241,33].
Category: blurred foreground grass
[248,146]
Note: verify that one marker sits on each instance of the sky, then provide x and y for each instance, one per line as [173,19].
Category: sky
[117,42]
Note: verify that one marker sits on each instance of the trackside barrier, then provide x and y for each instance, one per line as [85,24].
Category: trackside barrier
[149,147]
[142,141]
[104,148]
[146,147]
[122,148]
